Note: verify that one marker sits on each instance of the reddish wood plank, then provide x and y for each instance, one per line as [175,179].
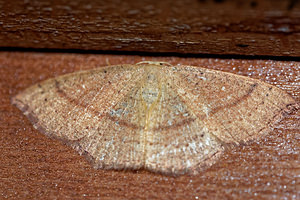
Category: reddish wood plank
[33,166]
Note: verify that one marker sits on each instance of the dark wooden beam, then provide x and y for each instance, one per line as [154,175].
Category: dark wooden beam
[249,27]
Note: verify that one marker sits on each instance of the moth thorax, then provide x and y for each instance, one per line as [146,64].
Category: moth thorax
[151,89]
[150,95]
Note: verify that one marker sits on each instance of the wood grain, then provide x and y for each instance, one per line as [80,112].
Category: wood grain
[32,166]
[249,27]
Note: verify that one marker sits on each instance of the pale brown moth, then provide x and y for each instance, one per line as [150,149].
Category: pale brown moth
[167,119]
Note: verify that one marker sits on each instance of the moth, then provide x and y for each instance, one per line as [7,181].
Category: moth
[152,115]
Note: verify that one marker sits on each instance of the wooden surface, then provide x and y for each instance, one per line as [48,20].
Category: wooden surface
[248,27]
[32,166]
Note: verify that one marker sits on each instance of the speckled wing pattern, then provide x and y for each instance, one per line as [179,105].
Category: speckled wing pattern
[167,119]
